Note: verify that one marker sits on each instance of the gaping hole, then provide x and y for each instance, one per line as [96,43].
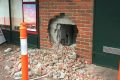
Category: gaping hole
[62,30]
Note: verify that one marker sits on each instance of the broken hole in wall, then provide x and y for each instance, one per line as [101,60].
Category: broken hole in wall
[62,30]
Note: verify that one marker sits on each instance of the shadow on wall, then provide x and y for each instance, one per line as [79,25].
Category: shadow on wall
[62,30]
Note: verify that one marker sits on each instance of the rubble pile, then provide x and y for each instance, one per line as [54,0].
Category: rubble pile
[57,64]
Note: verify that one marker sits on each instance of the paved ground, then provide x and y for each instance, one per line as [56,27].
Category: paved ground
[106,73]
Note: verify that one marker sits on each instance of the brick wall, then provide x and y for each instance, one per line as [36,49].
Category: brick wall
[80,11]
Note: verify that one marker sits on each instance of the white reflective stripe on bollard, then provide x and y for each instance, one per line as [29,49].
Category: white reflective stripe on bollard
[23,46]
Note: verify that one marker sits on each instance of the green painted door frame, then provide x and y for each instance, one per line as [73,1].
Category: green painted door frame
[106,32]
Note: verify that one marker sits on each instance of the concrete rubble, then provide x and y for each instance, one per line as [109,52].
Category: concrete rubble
[52,64]
[8,50]
[1,58]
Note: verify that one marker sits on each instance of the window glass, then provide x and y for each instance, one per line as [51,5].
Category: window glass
[29,11]
[16,13]
[29,0]
[4,14]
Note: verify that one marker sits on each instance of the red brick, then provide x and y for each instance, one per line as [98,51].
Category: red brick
[79,11]
[76,0]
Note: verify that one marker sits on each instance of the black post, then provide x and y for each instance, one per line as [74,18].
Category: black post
[37,22]
[10,17]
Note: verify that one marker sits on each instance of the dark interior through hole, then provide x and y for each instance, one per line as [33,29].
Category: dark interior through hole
[62,30]
[68,34]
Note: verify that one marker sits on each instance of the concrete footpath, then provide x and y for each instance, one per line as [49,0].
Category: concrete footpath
[105,73]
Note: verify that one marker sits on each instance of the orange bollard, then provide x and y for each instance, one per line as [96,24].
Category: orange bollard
[24,55]
[119,72]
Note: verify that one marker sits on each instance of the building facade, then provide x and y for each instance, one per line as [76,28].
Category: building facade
[91,25]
